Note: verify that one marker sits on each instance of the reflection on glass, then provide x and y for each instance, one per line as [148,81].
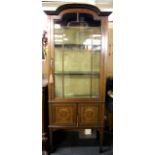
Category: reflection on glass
[58,39]
[58,34]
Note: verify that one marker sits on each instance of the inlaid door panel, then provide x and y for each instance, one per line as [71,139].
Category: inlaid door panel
[63,114]
[88,114]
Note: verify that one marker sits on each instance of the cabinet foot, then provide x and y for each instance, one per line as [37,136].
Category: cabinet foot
[100,150]
[101,140]
[51,150]
[50,144]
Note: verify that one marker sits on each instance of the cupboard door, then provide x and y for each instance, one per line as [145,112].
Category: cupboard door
[88,114]
[63,114]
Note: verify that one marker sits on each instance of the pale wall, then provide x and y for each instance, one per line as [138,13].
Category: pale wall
[110,51]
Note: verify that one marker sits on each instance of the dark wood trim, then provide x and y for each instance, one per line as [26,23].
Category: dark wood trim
[56,127]
[91,69]
[103,59]
[50,47]
[104,56]
[63,89]
[76,100]
[78,6]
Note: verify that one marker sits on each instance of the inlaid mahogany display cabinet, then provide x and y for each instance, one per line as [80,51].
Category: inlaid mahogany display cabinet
[77,68]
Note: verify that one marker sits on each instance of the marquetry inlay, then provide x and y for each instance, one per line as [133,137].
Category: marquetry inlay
[89,114]
[63,115]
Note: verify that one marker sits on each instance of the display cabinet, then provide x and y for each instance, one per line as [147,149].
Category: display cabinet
[77,68]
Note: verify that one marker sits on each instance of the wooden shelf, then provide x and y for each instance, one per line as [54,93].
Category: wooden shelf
[78,73]
[75,46]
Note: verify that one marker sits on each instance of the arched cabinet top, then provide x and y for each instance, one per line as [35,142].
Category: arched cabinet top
[77,8]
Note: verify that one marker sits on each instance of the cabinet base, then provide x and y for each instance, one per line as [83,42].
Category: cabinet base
[52,148]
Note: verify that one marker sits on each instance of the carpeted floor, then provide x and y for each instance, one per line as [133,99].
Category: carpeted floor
[81,151]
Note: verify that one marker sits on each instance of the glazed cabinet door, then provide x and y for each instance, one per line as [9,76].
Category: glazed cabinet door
[77,53]
[89,114]
[63,114]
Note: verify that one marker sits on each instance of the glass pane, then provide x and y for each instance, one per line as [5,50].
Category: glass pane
[77,49]
[58,86]
[58,39]
[95,61]
[77,60]
[96,49]
[58,59]
[76,86]
[95,86]
[71,35]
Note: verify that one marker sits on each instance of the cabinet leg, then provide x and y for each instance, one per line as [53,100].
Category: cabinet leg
[50,142]
[101,140]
